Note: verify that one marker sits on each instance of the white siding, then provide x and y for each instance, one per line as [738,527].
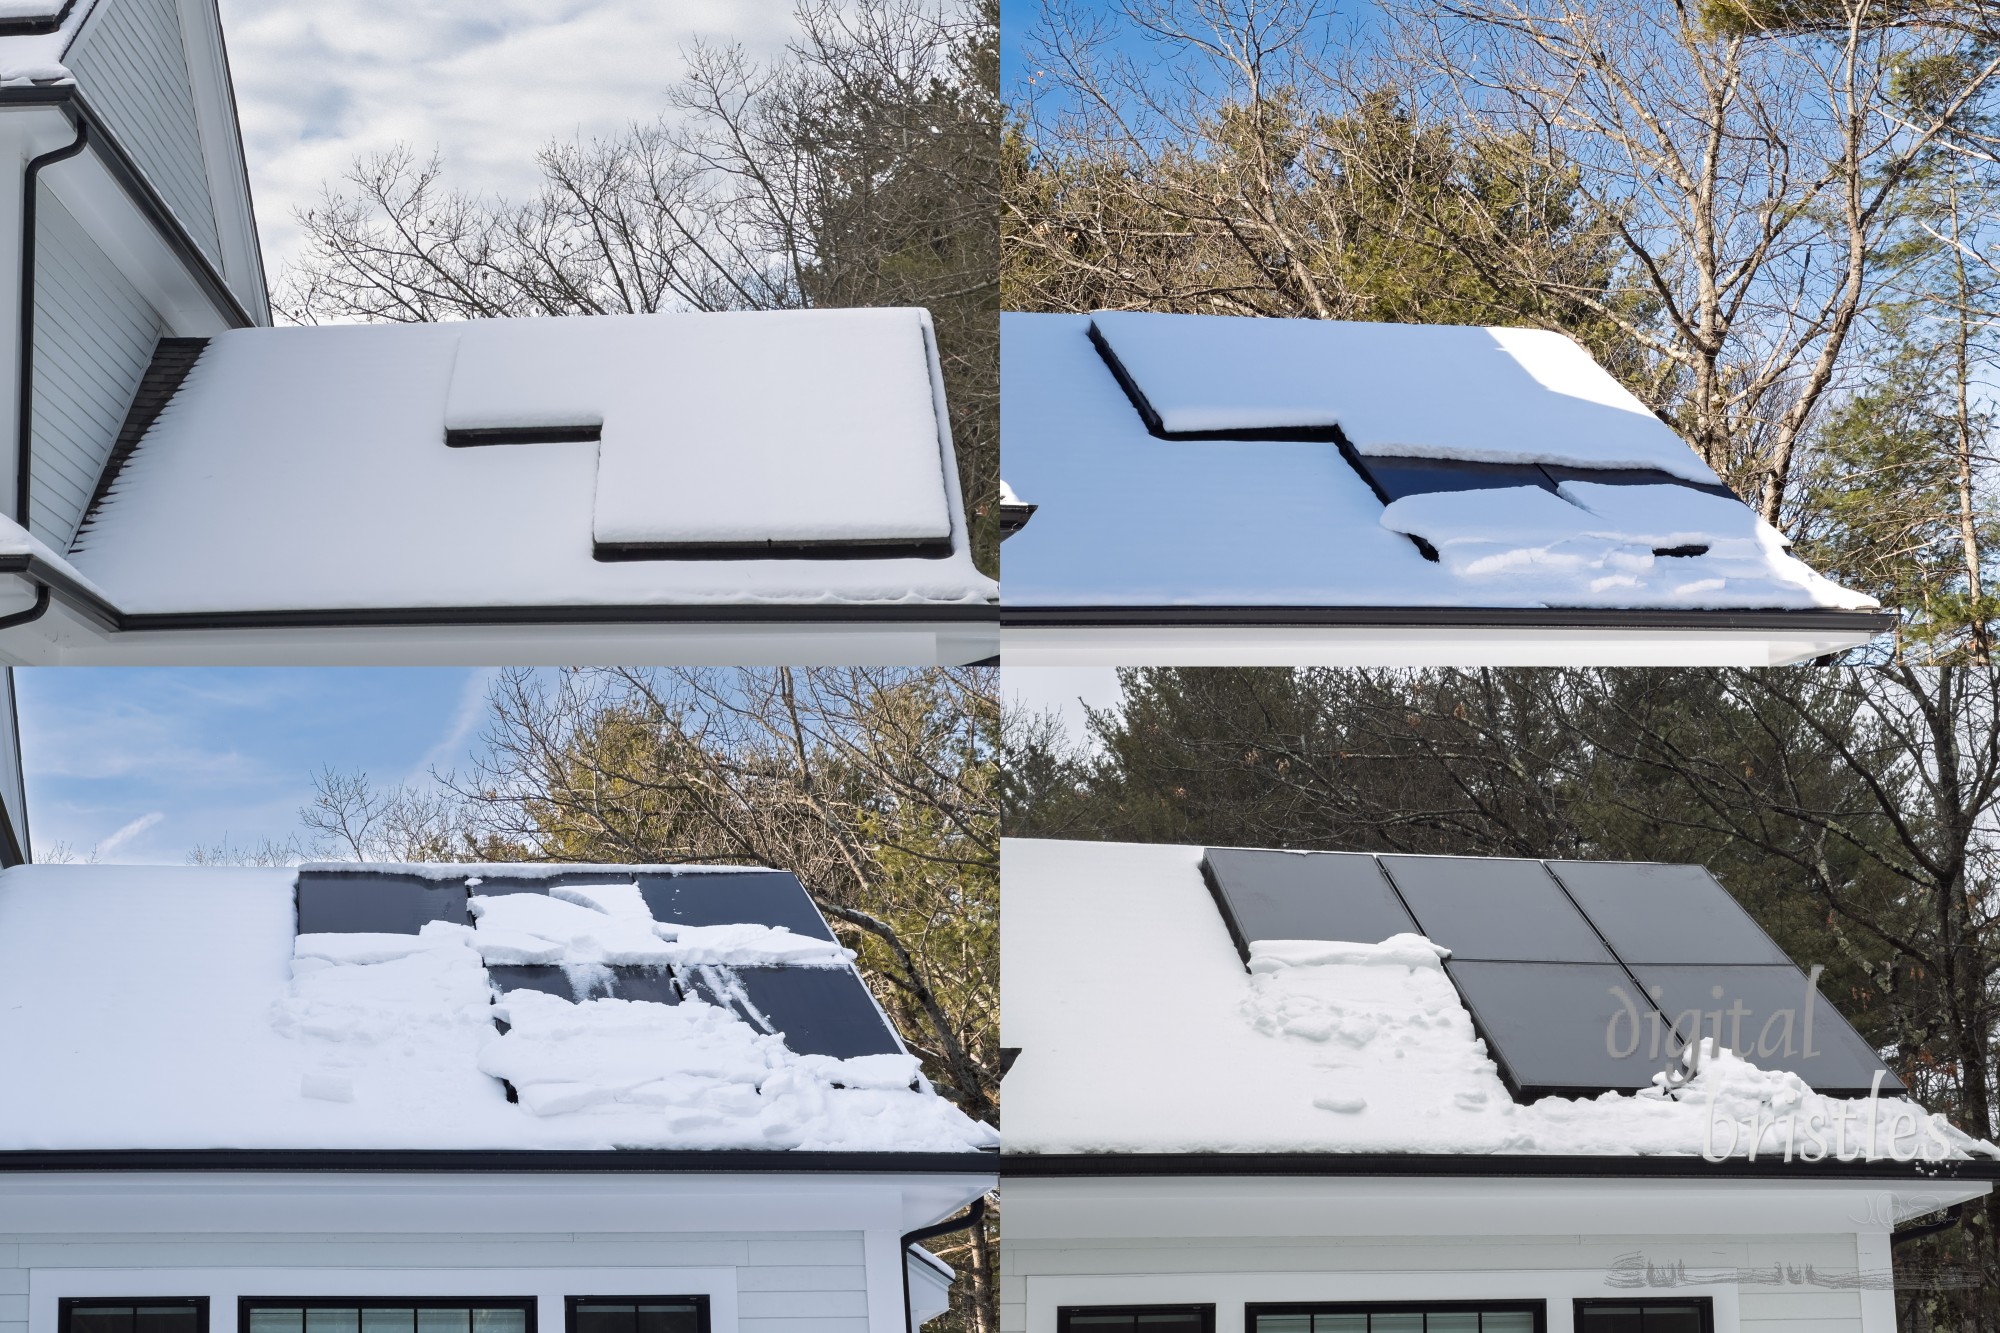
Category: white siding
[1229,1272]
[132,65]
[94,336]
[811,1282]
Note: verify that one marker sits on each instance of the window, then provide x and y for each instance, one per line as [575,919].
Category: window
[1402,1317]
[1135,1319]
[637,1314]
[127,1314]
[1695,1315]
[512,1314]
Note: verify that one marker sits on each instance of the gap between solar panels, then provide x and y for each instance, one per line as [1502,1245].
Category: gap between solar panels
[1392,477]
[1581,977]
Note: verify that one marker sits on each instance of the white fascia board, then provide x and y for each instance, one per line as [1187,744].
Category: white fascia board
[223,1287]
[1193,1207]
[473,1204]
[222,153]
[111,218]
[66,636]
[1414,646]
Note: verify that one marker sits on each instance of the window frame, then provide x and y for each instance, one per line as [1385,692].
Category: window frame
[1704,1305]
[527,1304]
[699,1300]
[1518,1305]
[1206,1313]
[66,1304]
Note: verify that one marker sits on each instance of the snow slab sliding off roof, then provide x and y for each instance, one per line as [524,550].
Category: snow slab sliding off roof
[1127,518]
[308,468]
[1140,1030]
[174,1008]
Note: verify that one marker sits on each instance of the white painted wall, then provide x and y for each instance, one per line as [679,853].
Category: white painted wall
[775,1253]
[1232,1241]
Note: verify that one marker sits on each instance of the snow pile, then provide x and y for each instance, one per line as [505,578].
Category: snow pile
[1396,1059]
[1595,544]
[416,1013]
[31,58]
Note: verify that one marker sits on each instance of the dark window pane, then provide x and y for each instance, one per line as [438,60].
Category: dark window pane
[1452,1321]
[100,1319]
[1291,1323]
[499,1321]
[1507,1321]
[333,1321]
[679,1317]
[268,1319]
[1672,1319]
[1107,1322]
[389,1321]
[1168,1321]
[1340,1323]
[444,1321]
[596,1318]
[166,1319]
[1399,1321]
[1609,1319]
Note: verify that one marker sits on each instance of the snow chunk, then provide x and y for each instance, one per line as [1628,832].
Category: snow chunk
[1404,950]
[750,945]
[520,923]
[1598,547]
[370,947]
[1417,390]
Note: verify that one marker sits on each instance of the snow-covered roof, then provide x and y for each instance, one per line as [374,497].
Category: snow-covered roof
[1141,1030]
[180,1008]
[1191,461]
[636,460]
[34,34]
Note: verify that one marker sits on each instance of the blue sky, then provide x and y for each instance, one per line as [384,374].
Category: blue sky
[142,765]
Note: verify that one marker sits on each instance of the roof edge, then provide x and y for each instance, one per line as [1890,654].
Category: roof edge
[1402,617]
[1020,1166]
[498,1161]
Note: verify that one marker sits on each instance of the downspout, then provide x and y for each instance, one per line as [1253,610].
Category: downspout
[24,447]
[974,1215]
[1953,1216]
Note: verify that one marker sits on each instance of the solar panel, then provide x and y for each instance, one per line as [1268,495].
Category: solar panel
[395,904]
[1666,914]
[1633,476]
[1494,908]
[1761,1014]
[1303,896]
[1394,478]
[1569,1029]
[715,898]
[625,983]
[820,1010]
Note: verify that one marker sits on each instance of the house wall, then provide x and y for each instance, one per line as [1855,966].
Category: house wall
[1776,1260]
[94,336]
[131,62]
[776,1253]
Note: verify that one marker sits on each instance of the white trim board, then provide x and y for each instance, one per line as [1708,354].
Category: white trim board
[1414,646]
[1230,1292]
[223,1286]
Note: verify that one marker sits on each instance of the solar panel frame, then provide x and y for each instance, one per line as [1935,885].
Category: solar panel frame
[1495,921]
[1274,895]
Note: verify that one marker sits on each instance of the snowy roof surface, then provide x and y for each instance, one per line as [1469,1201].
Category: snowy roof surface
[177,1007]
[1141,1030]
[308,468]
[29,54]
[1129,518]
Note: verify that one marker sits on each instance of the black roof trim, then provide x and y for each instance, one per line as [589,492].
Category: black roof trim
[524,1161]
[82,598]
[1442,617]
[916,548]
[36,27]
[172,359]
[1766,1167]
[133,181]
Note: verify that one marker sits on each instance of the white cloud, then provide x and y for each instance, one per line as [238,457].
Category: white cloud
[107,849]
[487,82]
[451,746]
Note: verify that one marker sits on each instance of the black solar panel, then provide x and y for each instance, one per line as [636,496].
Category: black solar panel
[1494,908]
[1633,476]
[375,902]
[1565,1028]
[1394,478]
[820,1010]
[1761,1013]
[714,898]
[1303,896]
[618,983]
[1666,914]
